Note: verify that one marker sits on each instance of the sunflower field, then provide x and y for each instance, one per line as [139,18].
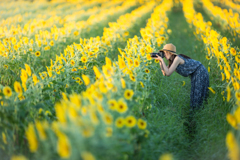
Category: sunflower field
[77,80]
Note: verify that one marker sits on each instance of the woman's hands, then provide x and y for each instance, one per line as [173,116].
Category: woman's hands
[160,63]
[158,58]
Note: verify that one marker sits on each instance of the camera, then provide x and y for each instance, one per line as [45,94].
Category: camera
[160,53]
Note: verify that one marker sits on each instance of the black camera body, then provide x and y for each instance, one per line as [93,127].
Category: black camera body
[160,53]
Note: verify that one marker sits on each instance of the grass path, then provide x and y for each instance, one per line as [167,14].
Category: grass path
[172,103]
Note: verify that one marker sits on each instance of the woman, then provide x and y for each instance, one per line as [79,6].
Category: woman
[186,66]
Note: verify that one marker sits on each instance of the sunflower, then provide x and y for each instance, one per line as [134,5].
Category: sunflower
[51,43]
[17,87]
[4,138]
[47,113]
[84,111]
[142,124]
[93,117]
[15,47]
[136,63]
[74,69]
[102,87]
[72,62]
[37,53]
[148,57]
[236,114]
[233,51]
[237,58]
[207,57]
[228,93]
[123,83]
[147,70]
[87,156]
[63,146]
[142,84]
[122,106]
[166,156]
[128,94]
[46,48]
[132,77]
[90,53]
[112,103]
[76,33]
[80,82]
[130,62]
[35,79]
[119,123]
[19,157]
[142,51]
[40,110]
[96,49]
[86,79]
[100,108]
[6,66]
[39,43]
[7,91]
[232,145]
[77,78]
[121,63]
[28,70]
[108,119]
[237,95]
[130,121]
[41,131]
[126,33]
[32,138]
[84,59]
[14,41]
[109,132]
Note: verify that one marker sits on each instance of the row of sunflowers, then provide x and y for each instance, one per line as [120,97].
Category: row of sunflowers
[228,19]
[219,49]
[86,102]
[24,49]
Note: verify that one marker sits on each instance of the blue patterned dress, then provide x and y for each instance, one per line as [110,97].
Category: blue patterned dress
[199,80]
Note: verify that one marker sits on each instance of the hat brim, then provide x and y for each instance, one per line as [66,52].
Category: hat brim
[169,51]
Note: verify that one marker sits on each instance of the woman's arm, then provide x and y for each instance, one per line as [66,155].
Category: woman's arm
[161,66]
[168,71]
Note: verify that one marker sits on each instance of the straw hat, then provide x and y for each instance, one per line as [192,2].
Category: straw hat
[169,47]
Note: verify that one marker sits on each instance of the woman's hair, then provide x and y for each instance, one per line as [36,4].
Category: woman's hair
[171,59]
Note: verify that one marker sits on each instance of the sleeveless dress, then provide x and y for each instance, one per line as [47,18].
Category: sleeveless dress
[199,80]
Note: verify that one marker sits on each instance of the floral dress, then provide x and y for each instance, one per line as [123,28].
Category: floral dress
[199,80]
